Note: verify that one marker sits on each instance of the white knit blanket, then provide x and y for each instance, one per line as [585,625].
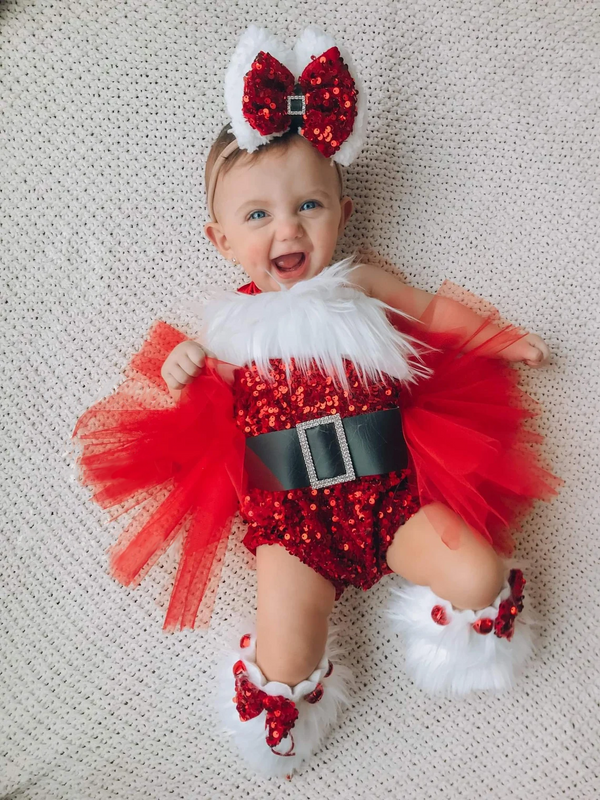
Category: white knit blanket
[481,166]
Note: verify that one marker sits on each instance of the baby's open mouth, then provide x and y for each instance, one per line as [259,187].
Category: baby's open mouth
[291,264]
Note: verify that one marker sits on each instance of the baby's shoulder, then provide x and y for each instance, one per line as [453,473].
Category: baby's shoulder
[371,279]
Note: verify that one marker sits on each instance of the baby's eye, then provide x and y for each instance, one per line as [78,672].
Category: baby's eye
[251,216]
[314,202]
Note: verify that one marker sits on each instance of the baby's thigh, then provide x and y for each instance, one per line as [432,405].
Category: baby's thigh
[294,603]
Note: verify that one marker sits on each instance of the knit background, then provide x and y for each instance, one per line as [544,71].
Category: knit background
[481,166]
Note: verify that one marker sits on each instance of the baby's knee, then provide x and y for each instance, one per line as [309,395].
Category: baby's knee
[288,655]
[474,581]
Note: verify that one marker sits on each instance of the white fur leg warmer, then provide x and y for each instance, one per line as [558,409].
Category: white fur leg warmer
[277,727]
[453,652]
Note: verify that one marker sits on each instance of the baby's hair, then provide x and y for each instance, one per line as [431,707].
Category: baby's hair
[224,138]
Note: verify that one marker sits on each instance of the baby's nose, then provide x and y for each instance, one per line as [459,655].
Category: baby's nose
[289,228]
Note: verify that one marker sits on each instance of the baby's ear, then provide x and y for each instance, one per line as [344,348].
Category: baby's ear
[347,206]
[214,233]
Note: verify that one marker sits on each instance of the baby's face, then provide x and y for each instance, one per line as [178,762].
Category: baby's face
[285,204]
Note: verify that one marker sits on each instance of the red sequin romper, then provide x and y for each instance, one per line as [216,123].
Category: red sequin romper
[341,531]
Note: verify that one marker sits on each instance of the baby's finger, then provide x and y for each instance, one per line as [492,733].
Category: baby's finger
[180,376]
[170,380]
[535,355]
[196,354]
[175,393]
[189,366]
[538,359]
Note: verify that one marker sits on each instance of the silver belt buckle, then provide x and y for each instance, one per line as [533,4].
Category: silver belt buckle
[316,482]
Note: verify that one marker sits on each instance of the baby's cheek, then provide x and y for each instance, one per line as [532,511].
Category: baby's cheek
[255,253]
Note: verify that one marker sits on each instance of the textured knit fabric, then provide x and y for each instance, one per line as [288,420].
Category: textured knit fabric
[481,165]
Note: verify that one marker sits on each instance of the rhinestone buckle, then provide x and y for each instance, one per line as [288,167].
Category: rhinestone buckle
[295,111]
[316,482]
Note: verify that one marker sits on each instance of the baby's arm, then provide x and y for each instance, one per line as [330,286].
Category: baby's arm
[448,313]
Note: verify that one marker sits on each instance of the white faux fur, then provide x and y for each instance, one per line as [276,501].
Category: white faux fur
[252,41]
[325,318]
[312,42]
[314,720]
[454,659]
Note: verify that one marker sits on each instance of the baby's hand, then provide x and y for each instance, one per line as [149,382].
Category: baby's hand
[537,351]
[182,365]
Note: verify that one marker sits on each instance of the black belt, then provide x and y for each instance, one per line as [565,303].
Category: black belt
[328,450]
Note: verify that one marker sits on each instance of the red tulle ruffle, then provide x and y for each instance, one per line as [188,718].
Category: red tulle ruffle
[180,462]
[178,465]
[470,428]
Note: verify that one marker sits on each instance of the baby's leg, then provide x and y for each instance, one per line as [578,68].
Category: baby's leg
[436,548]
[461,615]
[294,603]
[278,716]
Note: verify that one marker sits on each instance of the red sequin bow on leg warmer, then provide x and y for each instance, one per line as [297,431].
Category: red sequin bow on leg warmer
[252,701]
[267,86]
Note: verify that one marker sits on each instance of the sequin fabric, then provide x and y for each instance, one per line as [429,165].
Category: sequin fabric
[328,90]
[341,531]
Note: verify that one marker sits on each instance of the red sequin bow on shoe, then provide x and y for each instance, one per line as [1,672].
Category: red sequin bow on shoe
[327,101]
[251,701]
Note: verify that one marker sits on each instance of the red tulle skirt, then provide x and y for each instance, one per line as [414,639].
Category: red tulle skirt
[179,465]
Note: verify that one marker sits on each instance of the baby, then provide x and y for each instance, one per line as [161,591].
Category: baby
[362,455]
[279,213]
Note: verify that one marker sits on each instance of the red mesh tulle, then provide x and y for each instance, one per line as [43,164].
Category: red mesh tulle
[471,429]
[178,465]
[181,462]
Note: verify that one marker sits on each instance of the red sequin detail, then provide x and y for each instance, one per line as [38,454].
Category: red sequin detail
[315,695]
[438,615]
[329,670]
[267,81]
[511,606]
[281,713]
[245,640]
[484,625]
[239,667]
[329,93]
[346,542]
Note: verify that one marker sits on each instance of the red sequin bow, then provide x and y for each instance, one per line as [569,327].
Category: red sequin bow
[509,608]
[251,701]
[504,624]
[327,102]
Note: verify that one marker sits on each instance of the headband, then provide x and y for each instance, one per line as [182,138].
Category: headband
[263,96]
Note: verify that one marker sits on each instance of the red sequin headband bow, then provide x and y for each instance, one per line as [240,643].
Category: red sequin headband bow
[263,97]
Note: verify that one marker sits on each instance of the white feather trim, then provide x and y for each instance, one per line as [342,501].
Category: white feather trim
[453,659]
[252,41]
[314,720]
[323,320]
